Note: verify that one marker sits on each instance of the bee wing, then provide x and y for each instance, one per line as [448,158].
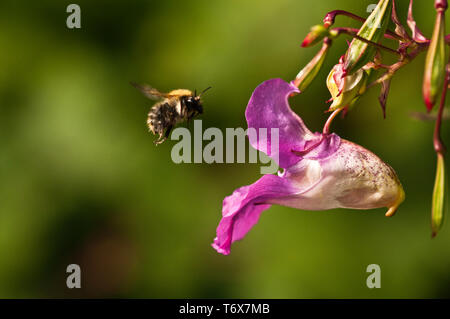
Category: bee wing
[150,92]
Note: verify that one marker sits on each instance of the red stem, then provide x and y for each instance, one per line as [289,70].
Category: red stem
[352,33]
[325,132]
[326,127]
[439,146]
[331,16]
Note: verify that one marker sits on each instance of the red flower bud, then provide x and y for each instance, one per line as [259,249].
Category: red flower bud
[317,34]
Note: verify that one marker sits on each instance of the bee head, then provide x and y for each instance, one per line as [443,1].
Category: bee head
[194,104]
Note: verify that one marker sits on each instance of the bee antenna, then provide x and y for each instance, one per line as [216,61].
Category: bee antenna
[195,92]
[209,87]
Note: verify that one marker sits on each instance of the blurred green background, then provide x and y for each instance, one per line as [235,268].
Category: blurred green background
[82,182]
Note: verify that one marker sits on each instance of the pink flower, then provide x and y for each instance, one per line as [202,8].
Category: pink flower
[321,171]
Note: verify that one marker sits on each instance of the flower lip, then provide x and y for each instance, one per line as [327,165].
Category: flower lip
[242,209]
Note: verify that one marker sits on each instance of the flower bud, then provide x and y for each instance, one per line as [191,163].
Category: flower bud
[317,33]
[435,62]
[360,53]
[437,212]
[309,72]
[344,90]
[441,4]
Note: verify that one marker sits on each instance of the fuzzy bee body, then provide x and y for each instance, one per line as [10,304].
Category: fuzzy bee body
[161,117]
[173,108]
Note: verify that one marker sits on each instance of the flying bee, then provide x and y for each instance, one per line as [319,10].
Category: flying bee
[174,107]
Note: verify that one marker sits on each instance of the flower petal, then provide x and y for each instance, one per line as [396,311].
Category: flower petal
[268,108]
[326,147]
[242,209]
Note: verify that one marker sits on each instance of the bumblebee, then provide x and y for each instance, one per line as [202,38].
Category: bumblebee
[174,107]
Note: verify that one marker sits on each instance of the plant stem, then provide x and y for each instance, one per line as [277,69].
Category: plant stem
[325,132]
[331,16]
[326,127]
[397,66]
[354,34]
[439,146]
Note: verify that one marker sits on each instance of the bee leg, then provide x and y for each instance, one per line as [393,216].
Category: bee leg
[161,138]
[169,129]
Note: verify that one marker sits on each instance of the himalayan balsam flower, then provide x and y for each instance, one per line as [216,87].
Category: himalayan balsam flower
[321,171]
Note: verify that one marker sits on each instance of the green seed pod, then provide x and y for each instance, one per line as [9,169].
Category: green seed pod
[309,72]
[360,53]
[437,212]
[434,75]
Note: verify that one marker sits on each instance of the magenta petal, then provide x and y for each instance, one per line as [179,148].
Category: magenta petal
[268,108]
[242,209]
